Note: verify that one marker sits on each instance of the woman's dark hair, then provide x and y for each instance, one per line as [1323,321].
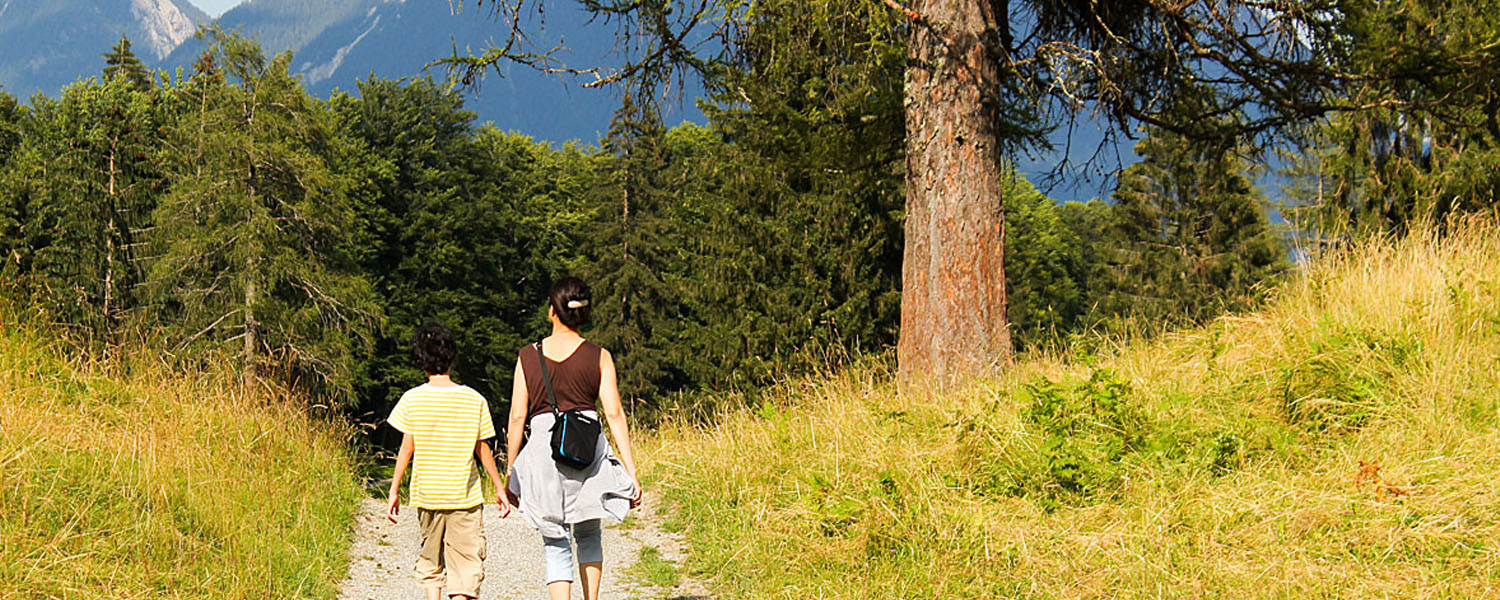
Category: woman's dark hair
[571,300]
[433,350]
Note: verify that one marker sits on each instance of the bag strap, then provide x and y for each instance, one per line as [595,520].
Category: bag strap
[541,359]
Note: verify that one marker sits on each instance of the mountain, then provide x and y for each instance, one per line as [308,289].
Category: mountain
[282,25]
[339,42]
[46,44]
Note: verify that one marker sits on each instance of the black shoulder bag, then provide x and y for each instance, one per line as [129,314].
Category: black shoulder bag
[575,436]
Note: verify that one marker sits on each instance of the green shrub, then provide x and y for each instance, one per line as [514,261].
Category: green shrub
[1340,382]
[1082,432]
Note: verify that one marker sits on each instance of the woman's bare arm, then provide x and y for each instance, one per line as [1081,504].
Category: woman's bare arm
[614,413]
[515,429]
[520,401]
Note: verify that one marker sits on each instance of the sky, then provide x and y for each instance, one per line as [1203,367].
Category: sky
[214,7]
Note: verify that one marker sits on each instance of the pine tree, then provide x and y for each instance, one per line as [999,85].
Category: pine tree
[1189,238]
[12,247]
[121,62]
[87,176]
[1432,147]
[454,230]
[11,113]
[799,220]
[1046,267]
[254,239]
[634,239]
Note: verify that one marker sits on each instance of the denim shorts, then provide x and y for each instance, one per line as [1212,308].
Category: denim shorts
[559,551]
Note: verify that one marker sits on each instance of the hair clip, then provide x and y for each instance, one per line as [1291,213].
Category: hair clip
[577,303]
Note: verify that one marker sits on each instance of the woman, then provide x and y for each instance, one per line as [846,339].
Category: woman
[559,500]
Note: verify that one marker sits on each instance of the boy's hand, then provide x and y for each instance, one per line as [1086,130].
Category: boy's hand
[393,506]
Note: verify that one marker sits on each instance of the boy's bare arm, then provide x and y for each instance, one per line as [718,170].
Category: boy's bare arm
[487,460]
[403,458]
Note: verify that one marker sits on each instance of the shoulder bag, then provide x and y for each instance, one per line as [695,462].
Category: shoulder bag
[575,436]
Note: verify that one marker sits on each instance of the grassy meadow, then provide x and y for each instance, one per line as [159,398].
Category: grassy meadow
[126,478]
[1341,442]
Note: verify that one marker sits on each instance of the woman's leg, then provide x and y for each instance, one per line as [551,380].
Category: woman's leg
[559,559]
[590,556]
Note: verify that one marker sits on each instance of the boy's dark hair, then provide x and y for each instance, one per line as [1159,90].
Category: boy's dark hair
[571,299]
[433,350]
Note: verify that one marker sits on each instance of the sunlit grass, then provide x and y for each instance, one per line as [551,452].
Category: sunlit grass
[1246,480]
[125,478]
[654,569]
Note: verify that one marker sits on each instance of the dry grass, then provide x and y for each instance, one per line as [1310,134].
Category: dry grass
[1388,354]
[126,479]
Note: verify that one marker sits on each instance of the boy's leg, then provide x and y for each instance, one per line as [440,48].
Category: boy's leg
[430,567]
[590,542]
[464,551]
[559,560]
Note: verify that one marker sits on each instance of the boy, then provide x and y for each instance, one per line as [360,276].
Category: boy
[445,425]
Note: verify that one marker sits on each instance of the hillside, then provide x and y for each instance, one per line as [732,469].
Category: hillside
[340,42]
[1342,442]
[46,45]
[125,478]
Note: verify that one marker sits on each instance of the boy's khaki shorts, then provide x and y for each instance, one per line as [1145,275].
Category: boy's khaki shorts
[452,550]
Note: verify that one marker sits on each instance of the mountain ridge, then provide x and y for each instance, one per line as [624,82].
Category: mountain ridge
[336,44]
[47,45]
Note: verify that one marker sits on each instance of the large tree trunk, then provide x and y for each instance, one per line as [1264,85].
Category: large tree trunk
[953,273]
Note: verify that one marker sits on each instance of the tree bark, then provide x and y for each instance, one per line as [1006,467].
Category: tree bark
[953,272]
[249,308]
[109,248]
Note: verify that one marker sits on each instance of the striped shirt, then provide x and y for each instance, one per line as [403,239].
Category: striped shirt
[445,422]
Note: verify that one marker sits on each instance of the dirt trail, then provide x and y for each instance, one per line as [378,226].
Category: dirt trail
[380,560]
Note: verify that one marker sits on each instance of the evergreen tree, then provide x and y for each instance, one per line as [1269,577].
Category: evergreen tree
[121,62]
[11,113]
[1047,271]
[254,239]
[88,178]
[1431,148]
[455,230]
[635,267]
[801,239]
[12,116]
[1189,238]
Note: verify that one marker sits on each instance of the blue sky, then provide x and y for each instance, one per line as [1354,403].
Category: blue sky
[215,7]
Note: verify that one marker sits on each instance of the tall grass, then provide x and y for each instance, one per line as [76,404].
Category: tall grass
[1342,442]
[126,478]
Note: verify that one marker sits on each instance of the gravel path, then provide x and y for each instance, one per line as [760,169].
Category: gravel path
[381,558]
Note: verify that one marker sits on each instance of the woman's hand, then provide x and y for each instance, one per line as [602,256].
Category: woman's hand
[614,413]
[511,497]
[502,500]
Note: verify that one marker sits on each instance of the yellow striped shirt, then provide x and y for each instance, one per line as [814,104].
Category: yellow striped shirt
[445,422]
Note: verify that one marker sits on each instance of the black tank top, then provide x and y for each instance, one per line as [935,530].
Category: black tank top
[575,379]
